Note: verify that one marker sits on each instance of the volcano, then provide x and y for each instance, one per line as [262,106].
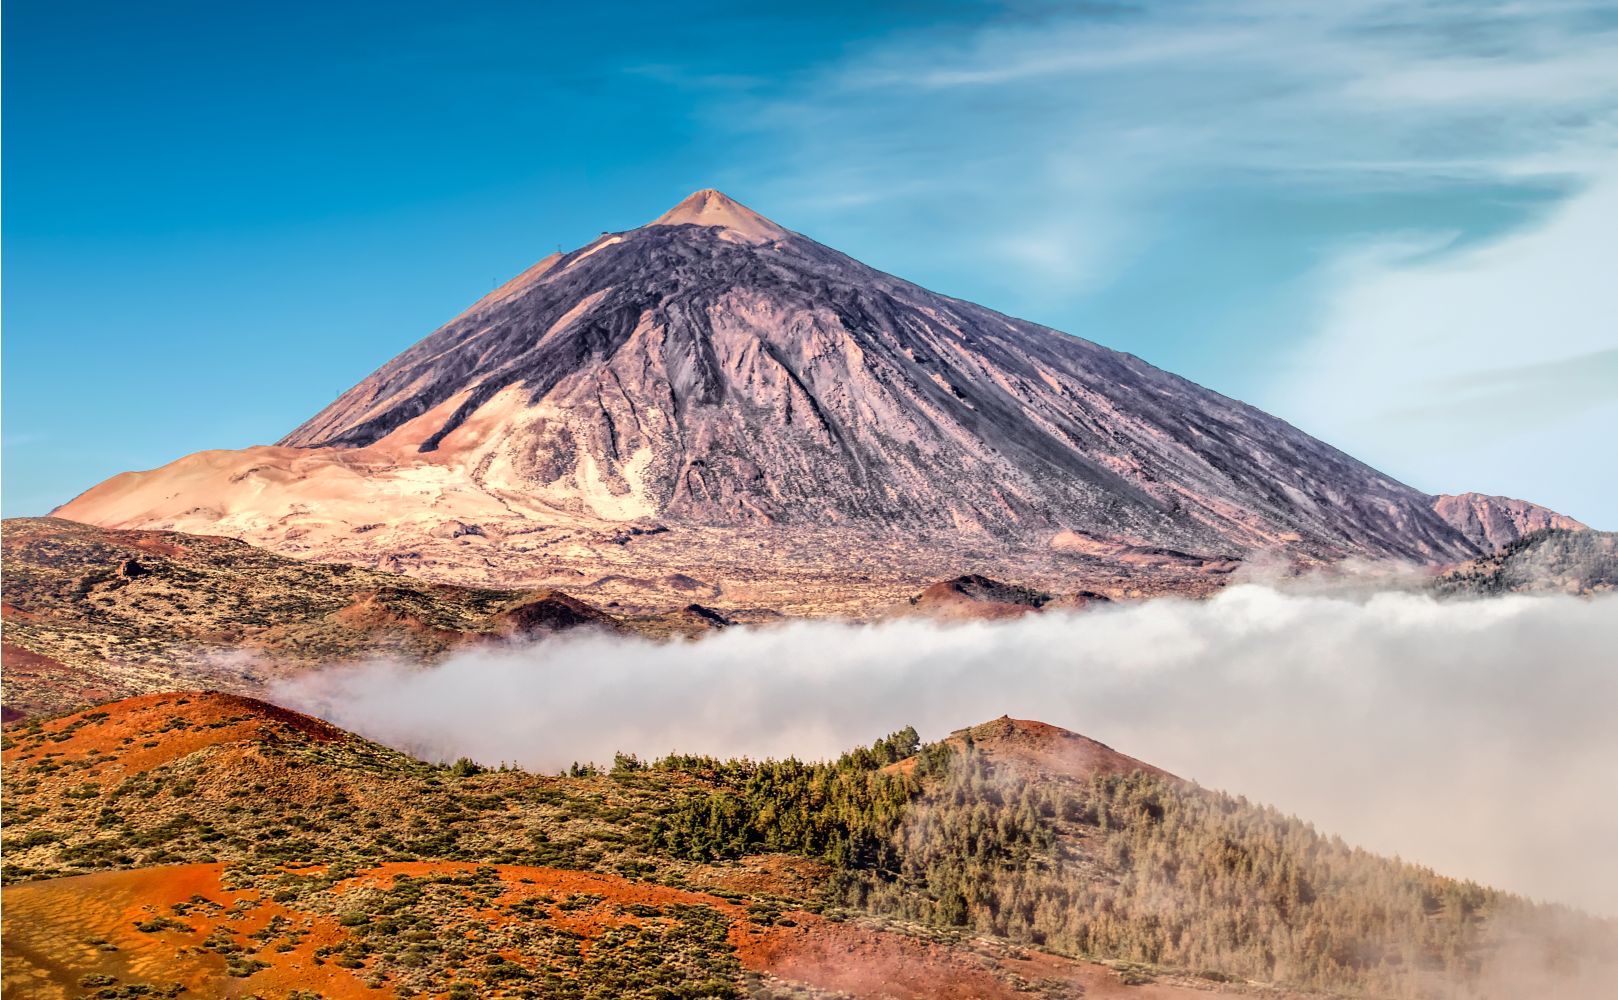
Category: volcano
[713,376]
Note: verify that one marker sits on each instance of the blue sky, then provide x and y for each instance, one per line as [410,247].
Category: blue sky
[1391,224]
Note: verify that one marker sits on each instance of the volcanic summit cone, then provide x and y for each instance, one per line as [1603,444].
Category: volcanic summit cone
[713,370]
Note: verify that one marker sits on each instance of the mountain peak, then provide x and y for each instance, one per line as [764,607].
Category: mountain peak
[715,208]
[775,386]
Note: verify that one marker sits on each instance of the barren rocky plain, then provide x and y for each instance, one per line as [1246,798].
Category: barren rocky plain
[92,614]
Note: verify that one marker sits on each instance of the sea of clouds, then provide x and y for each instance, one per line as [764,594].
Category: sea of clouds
[1479,737]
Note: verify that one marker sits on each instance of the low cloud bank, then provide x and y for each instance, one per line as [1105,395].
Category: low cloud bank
[1478,737]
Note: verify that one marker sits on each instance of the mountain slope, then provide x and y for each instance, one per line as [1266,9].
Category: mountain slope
[713,370]
[1033,749]
[1556,560]
[1492,523]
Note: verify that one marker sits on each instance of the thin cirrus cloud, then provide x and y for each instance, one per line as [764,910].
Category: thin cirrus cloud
[1185,89]
[1555,390]
[1492,368]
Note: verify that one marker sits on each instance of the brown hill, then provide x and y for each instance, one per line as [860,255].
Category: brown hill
[39,681]
[135,735]
[1492,523]
[976,597]
[553,612]
[714,385]
[1042,751]
[158,780]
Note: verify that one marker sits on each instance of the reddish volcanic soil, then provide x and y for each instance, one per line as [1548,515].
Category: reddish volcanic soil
[62,930]
[767,874]
[119,733]
[1040,749]
[1492,522]
[205,927]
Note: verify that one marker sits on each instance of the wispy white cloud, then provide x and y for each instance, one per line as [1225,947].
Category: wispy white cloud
[1533,395]
[1548,80]
[1056,144]
[1074,50]
[1493,368]
[1252,85]
[1038,158]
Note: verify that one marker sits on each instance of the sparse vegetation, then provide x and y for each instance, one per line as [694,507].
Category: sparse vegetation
[1555,560]
[129,612]
[1157,877]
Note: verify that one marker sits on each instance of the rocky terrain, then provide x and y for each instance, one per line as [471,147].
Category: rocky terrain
[1492,523]
[93,613]
[713,396]
[202,844]
[975,596]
